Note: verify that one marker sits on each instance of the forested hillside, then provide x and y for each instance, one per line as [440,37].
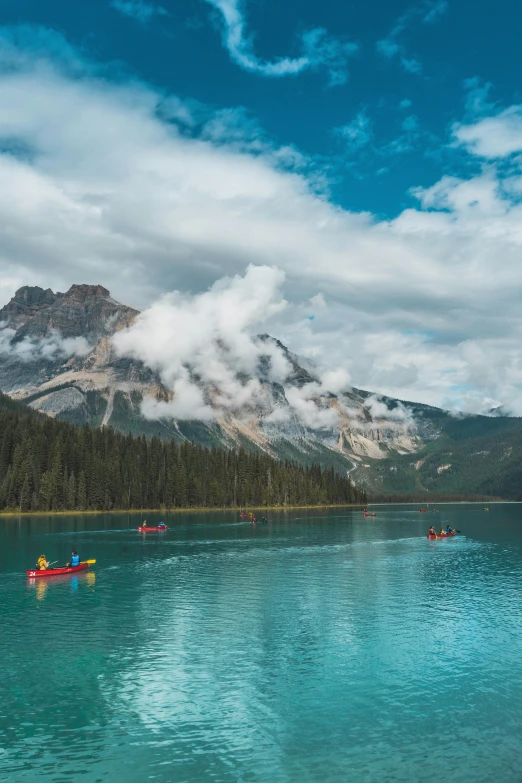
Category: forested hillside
[46,465]
[475,456]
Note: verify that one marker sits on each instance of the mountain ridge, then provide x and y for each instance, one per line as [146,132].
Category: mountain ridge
[58,357]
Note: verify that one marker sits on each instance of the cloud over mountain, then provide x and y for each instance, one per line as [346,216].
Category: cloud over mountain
[96,177]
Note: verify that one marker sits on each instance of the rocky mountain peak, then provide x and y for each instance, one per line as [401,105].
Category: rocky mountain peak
[33,295]
[24,304]
[83,311]
[82,292]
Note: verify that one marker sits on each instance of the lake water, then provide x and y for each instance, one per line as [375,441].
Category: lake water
[321,647]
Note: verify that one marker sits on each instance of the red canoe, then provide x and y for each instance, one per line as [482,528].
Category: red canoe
[57,571]
[151,529]
[444,535]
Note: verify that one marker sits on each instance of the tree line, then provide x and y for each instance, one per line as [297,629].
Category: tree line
[47,465]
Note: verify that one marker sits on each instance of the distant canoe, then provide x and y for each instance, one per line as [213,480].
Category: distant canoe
[441,535]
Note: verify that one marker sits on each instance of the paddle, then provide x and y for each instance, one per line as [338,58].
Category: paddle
[90,562]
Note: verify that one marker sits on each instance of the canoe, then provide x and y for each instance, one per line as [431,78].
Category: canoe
[444,535]
[151,529]
[58,571]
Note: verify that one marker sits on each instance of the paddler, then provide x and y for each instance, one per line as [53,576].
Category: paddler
[42,564]
[449,530]
[162,524]
[75,560]
[431,531]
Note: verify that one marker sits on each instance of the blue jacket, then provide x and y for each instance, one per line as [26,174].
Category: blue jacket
[75,560]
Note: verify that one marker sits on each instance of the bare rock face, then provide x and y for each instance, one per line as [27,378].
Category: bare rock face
[34,316]
[27,301]
[84,311]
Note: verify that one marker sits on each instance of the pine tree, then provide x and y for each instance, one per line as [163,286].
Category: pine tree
[25,495]
[82,492]
[71,492]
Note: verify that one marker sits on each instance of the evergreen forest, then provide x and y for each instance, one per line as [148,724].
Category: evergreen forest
[47,465]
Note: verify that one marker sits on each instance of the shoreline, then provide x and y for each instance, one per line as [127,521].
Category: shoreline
[234,509]
[196,510]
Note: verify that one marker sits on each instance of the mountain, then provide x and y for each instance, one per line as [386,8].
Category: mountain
[57,357]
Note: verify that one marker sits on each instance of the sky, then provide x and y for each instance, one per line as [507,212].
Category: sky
[358,163]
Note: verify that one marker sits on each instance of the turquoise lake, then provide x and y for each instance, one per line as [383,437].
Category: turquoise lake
[322,647]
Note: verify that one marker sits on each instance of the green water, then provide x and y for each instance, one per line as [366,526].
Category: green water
[321,647]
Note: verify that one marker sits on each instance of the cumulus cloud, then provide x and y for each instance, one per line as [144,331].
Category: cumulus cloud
[204,346]
[49,348]
[145,202]
[319,50]
[493,137]
[208,353]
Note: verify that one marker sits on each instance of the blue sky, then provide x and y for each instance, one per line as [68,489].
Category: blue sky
[405,76]
[371,154]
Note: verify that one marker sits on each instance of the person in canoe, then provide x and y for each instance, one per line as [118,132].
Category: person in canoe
[162,525]
[75,560]
[449,530]
[432,531]
[42,564]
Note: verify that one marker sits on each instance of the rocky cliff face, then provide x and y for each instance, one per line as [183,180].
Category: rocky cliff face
[57,356]
[84,311]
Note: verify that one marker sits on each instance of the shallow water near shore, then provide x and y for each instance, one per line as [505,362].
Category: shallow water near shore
[322,646]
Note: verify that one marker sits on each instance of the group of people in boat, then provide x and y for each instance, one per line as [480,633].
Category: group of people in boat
[253,518]
[42,564]
[432,532]
[159,525]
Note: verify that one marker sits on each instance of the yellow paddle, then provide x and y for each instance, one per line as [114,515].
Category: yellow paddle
[91,562]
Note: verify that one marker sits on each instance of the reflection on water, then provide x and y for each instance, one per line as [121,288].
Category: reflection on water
[325,648]
[41,588]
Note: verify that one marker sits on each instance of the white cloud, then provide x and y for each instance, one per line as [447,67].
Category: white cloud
[138,9]
[102,185]
[379,409]
[203,346]
[493,137]
[49,348]
[319,50]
